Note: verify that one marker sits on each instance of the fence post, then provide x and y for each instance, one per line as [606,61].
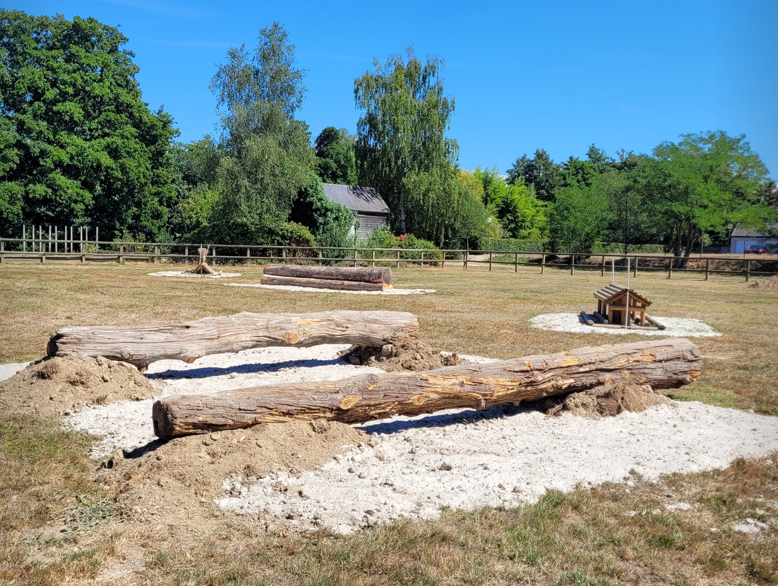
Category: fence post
[748,270]
[372,264]
[156,255]
[320,257]
[707,268]
[24,239]
[635,269]
[186,255]
[467,255]
[422,259]
[572,264]
[670,268]
[48,246]
[398,259]
[121,254]
[443,260]
[355,257]
[283,256]
[490,260]
[213,256]
[248,256]
[602,266]
[97,239]
[516,263]
[543,264]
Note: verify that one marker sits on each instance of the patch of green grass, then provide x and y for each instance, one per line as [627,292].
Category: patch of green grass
[709,395]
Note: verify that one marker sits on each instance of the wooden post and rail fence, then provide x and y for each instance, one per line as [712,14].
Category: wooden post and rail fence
[81,246]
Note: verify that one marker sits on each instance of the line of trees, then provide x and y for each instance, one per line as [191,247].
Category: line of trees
[80,147]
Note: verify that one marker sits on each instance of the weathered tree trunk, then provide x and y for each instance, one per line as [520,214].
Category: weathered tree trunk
[362,274]
[142,345]
[323,283]
[661,364]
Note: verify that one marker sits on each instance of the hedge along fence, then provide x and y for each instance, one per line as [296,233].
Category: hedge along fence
[15,249]
[541,246]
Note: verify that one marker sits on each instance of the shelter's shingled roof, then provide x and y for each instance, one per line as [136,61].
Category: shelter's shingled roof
[754,233]
[357,199]
[611,291]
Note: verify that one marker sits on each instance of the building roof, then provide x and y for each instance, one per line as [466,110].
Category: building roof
[613,291]
[357,199]
[753,233]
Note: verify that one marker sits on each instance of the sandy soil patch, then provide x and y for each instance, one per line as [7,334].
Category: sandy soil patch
[607,401]
[679,327]
[771,283]
[307,475]
[405,353]
[219,275]
[61,385]
[127,424]
[317,290]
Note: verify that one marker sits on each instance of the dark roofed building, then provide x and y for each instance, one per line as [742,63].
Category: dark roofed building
[742,238]
[366,203]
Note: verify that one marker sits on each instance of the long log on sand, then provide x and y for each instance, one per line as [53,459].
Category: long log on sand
[661,364]
[142,345]
[362,274]
[323,283]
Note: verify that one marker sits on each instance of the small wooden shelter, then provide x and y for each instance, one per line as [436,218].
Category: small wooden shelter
[612,303]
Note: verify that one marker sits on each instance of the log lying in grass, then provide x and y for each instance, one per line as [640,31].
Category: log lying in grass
[361,274]
[142,345]
[661,364]
[323,283]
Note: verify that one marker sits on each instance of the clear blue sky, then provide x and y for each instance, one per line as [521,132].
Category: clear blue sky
[525,75]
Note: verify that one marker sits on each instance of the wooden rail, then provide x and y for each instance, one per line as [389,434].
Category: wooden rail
[43,250]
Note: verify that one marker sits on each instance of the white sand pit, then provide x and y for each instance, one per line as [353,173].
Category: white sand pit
[10,369]
[319,290]
[675,327]
[219,275]
[459,458]
[127,424]
[499,457]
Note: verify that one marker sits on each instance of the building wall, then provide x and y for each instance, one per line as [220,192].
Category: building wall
[368,223]
[740,243]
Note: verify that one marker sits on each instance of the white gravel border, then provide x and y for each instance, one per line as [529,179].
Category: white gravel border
[674,326]
[10,369]
[318,290]
[219,275]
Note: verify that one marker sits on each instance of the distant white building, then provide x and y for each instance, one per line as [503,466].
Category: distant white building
[742,238]
[366,203]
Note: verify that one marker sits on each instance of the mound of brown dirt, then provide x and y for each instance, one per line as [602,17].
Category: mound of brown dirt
[405,353]
[57,385]
[608,400]
[178,480]
[771,283]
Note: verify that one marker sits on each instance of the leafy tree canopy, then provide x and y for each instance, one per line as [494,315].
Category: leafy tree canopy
[79,144]
[267,153]
[539,171]
[335,162]
[402,130]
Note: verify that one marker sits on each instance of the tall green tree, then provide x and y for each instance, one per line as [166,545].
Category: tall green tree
[335,161]
[579,218]
[702,184]
[540,171]
[402,133]
[268,155]
[79,144]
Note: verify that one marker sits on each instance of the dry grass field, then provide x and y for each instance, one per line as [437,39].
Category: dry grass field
[57,525]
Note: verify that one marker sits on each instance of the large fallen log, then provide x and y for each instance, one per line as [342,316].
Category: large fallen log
[661,364]
[142,345]
[362,274]
[323,283]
